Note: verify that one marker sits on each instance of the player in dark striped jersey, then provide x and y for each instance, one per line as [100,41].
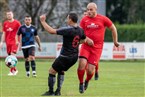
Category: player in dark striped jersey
[28,35]
[72,35]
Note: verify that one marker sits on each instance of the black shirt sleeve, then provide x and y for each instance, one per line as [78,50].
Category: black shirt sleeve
[83,34]
[35,33]
[19,31]
[65,31]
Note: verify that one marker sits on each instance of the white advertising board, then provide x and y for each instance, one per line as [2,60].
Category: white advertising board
[110,52]
[135,50]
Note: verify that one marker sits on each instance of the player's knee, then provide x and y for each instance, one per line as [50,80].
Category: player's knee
[82,65]
[26,59]
[31,58]
[61,73]
[52,71]
[89,71]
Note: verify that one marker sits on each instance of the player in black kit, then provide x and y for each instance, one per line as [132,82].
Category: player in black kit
[28,34]
[72,35]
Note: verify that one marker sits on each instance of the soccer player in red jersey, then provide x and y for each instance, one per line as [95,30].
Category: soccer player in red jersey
[10,28]
[94,26]
[97,65]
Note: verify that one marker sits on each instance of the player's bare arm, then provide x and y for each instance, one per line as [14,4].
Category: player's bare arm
[2,40]
[114,35]
[48,28]
[17,42]
[38,42]
[87,40]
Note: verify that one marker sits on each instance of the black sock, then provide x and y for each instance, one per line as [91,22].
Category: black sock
[60,79]
[51,82]
[27,66]
[33,65]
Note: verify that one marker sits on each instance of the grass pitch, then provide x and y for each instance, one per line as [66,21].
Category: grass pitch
[116,79]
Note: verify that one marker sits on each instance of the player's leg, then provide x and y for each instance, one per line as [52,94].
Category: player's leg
[90,73]
[83,56]
[92,60]
[11,50]
[60,80]
[96,77]
[8,47]
[81,73]
[27,65]
[51,82]
[14,48]
[56,67]
[64,65]
[32,60]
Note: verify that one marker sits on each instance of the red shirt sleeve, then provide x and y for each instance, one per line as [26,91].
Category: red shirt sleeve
[3,27]
[108,22]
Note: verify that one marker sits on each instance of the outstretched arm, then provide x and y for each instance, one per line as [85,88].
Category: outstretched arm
[2,40]
[48,28]
[114,35]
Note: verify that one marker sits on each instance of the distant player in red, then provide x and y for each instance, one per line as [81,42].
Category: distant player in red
[10,28]
[97,66]
[94,26]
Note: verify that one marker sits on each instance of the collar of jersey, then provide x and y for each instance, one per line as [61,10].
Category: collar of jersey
[28,26]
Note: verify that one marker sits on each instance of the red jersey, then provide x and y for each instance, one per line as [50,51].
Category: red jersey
[10,29]
[94,28]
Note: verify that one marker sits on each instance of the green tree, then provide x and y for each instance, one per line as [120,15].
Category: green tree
[126,11]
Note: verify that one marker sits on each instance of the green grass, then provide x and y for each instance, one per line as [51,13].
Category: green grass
[117,79]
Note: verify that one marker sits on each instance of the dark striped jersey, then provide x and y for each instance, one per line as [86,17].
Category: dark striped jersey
[28,35]
[71,39]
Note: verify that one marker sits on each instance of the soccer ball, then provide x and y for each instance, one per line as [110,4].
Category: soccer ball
[11,61]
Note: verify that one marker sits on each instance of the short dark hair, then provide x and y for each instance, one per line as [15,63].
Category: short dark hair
[27,16]
[8,10]
[73,16]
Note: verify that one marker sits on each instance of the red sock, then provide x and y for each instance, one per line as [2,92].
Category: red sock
[96,69]
[89,76]
[12,70]
[81,75]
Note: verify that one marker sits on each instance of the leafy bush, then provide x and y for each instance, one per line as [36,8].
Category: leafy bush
[127,33]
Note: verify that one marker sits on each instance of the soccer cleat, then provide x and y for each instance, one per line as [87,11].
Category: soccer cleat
[96,76]
[16,72]
[86,85]
[27,75]
[48,93]
[81,88]
[34,75]
[10,74]
[57,93]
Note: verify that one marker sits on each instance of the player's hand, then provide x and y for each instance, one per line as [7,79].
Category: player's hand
[1,44]
[116,44]
[20,47]
[43,18]
[90,42]
[17,43]
[39,49]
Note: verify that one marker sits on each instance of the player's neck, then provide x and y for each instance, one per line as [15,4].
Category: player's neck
[94,15]
[74,24]
[11,20]
[28,25]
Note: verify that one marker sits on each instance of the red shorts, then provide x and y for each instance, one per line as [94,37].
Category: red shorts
[11,48]
[91,54]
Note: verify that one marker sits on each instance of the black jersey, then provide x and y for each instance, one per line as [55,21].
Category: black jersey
[28,33]
[71,39]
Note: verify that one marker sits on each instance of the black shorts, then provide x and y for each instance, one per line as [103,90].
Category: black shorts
[28,51]
[63,63]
